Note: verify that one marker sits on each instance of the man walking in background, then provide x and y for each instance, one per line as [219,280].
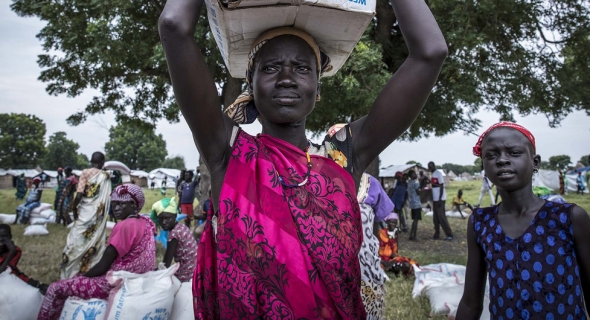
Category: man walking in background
[439,197]
[486,187]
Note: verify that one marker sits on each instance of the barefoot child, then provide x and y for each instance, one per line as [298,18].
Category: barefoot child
[536,252]
[10,255]
[181,243]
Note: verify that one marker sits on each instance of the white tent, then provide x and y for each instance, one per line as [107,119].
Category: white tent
[550,180]
[157,176]
[29,173]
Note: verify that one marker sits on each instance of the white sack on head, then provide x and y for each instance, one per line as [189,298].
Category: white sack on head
[142,296]
[116,165]
[18,300]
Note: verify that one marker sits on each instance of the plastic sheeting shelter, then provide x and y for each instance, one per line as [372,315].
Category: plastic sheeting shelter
[387,174]
[140,178]
[157,176]
[550,180]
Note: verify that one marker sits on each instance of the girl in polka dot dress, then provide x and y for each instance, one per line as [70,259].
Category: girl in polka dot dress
[536,253]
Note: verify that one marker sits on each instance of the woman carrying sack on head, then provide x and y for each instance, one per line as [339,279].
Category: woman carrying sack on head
[284,238]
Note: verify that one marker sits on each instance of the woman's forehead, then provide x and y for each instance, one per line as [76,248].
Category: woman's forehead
[506,135]
[286,46]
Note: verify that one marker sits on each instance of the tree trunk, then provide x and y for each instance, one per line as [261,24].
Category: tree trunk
[231,90]
[385,20]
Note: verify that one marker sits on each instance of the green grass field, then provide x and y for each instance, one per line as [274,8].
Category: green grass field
[42,255]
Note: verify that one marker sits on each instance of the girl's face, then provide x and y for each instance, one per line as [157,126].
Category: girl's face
[285,80]
[167,220]
[508,159]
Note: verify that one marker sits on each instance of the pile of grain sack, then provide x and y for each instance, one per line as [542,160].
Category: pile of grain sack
[43,214]
[153,295]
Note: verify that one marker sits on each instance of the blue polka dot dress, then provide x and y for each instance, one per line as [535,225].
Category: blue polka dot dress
[535,276]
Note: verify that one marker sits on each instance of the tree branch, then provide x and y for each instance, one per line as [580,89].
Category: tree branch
[547,40]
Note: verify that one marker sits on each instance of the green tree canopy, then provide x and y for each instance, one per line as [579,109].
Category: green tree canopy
[560,162]
[138,148]
[62,152]
[22,140]
[585,160]
[176,162]
[506,56]
[83,161]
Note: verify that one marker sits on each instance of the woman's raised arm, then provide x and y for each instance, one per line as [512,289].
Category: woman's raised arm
[404,95]
[194,87]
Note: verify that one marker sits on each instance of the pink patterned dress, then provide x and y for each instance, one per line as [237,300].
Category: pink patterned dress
[186,252]
[274,252]
[133,238]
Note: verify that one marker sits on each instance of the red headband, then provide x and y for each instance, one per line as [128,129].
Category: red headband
[512,125]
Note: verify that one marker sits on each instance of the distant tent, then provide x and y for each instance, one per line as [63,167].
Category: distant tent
[452,175]
[6,179]
[157,176]
[550,180]
[466,176]
[140,178]
[387,174]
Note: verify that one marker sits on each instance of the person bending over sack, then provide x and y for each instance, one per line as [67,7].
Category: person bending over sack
[390,260]
[10,255]
[536,252]
[458,201]
[131,247]
[23,212]
[182,246]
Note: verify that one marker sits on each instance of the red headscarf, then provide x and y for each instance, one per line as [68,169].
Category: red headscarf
[512,125]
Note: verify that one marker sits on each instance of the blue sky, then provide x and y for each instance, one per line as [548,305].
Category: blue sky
[21,92]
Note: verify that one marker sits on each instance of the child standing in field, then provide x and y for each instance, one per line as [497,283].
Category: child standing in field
[536,252]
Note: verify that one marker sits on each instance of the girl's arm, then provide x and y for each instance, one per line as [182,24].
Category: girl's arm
[194,87]
[581,226]
[170,251]
[471,304]
[403,97]
[103,266]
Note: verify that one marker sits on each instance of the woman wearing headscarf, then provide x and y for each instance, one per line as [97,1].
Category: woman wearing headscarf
[181,245]
[131,247]
[284,238]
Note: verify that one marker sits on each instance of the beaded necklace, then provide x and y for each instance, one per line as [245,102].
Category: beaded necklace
[304,182]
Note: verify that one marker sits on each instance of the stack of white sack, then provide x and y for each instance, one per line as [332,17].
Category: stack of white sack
[443,284]
[18,300]
[135,296]
[336,26]
[43,214]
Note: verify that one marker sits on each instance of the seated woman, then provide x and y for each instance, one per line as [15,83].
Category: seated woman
[458,202]
[131,247]
[390,260]
[181,243]
[10,255]
[23,212]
